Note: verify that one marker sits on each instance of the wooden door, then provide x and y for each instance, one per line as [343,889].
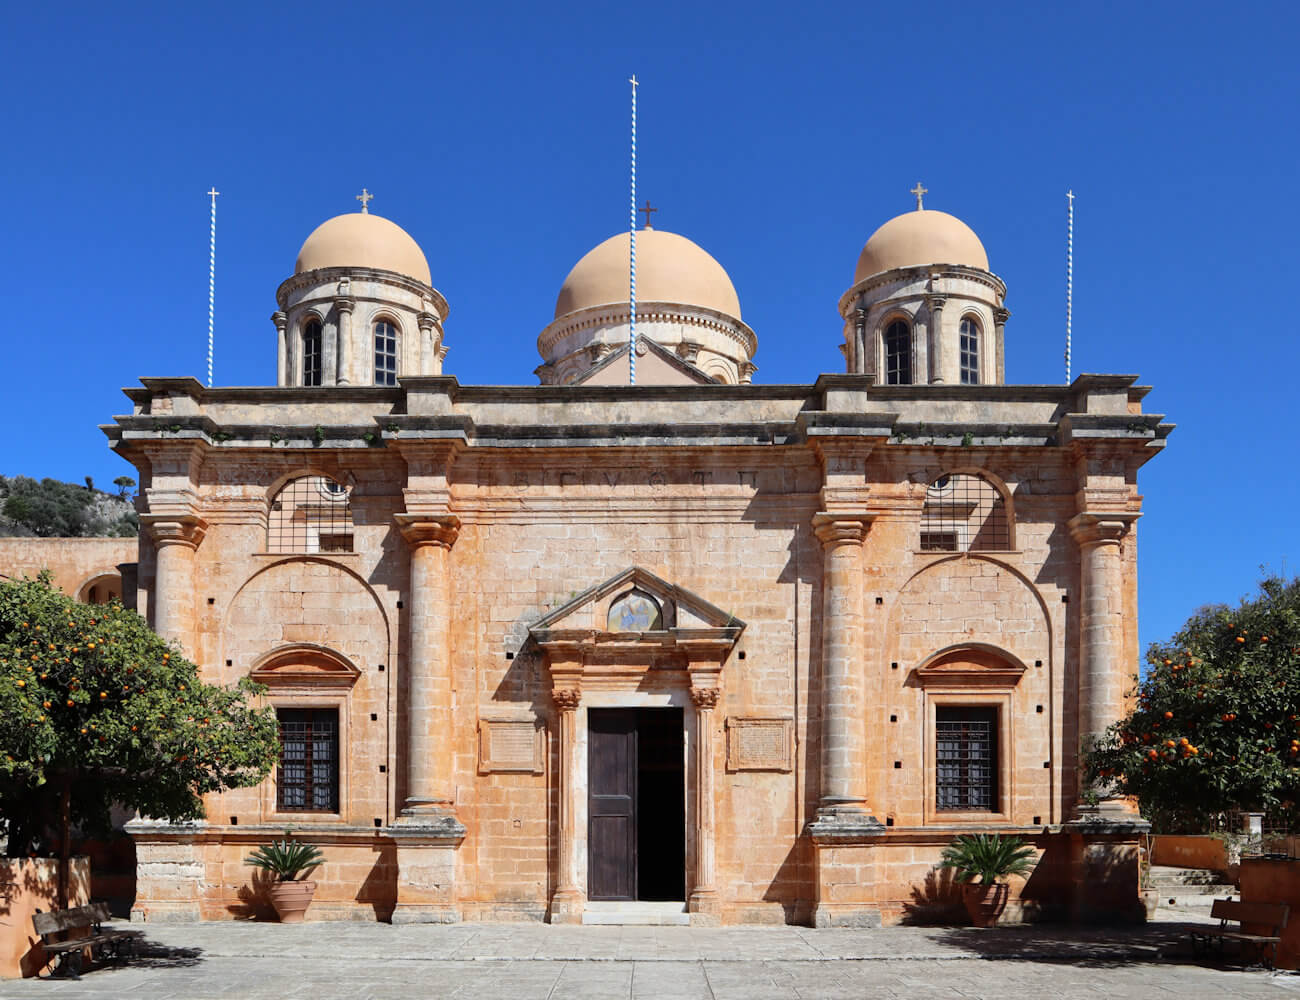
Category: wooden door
[611,808]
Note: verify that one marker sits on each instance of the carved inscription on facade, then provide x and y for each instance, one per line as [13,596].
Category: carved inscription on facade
[760,744]
[511,745]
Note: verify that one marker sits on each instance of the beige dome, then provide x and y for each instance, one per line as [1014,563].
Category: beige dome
[916,239]
[363,240]
[669,268]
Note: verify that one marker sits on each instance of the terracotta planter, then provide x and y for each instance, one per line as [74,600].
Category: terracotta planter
[985,901]
[291,900]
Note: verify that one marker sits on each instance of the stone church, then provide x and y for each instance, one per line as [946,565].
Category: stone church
[693,650]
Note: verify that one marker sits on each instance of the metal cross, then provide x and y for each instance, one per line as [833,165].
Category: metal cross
[213,193]
[918,191]
[647,211]
[364,197]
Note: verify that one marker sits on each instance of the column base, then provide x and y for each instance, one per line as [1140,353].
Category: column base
[844,838]
[705,908]
[427,841]
[1104,867]
[567,906]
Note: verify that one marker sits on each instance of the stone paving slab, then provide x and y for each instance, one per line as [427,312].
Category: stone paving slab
[318,961]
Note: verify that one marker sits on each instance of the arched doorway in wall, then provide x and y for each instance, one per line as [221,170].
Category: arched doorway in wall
[101,589]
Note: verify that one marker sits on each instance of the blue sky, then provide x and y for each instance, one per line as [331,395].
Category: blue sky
[776,136]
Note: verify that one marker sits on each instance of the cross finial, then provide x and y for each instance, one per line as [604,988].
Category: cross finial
[647,211]
[364,197]
[213,193]
[918,191]
[632,80]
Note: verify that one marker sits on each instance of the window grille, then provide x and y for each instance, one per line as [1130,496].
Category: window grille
[308,778]
[898,353]
[970,352]
[311,354]
[311,514]
[964,513]
[385,353]
[966,759]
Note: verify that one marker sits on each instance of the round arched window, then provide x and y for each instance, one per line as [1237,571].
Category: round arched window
[385,353]
[964,513]
[970,351]
[311,353]
[898,353]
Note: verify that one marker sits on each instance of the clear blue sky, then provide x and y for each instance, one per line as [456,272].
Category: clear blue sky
[777,136]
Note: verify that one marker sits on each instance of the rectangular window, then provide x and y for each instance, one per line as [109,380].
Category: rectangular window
[970,354]
[385,353]
[311,359]
[966,759]
[308,775]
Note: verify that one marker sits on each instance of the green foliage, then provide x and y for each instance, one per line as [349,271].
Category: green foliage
[1216,725]
[288,860]
[92,701]
[124,486]
[52,509]
[987,857]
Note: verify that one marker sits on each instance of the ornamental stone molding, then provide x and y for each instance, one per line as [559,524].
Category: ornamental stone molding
[429,529]
[171,529]
[705,697]
[1097,528]
[567,699]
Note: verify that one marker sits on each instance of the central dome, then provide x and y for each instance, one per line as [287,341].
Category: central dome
[360,239]
[669,268]
[920,238]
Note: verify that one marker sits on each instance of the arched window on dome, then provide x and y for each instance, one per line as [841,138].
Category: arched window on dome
[898,353]
[310,514]
[311,353]
[964,512]
[385,353]
[970,351]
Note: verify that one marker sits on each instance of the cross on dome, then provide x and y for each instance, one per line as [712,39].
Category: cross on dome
[364,197]
[647,210]
[918,191]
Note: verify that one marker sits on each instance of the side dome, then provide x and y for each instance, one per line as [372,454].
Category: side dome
[669,268]
[916,239]
[360,239]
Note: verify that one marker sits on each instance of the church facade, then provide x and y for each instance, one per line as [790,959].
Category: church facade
[690,650]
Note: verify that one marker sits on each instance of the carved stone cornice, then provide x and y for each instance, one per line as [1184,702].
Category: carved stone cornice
[1089,528]
[836,529]
[429,529]
[174,529]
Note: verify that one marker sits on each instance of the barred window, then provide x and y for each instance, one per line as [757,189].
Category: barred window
[964,513]
[898,353]
[385,353]
[970,352]
[308,776]
[966,759]
[310,514]
[311,353]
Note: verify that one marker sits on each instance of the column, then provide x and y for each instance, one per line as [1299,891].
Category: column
[843,764]
[429,791]
[1101,639]
[570,894]
[704,904]
[281,322]
[344,306]
[937,354]
[428,324]
[175,539]
[858,363]
[1000,317]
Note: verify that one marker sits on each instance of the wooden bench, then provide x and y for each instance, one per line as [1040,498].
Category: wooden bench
[104,943]
[1234,918]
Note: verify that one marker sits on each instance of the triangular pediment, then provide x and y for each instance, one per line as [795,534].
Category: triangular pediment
[680,609]
[660,367]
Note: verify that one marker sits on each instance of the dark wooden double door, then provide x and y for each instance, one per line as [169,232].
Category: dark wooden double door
[636,810]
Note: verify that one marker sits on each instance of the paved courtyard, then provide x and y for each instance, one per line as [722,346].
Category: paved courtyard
[326,960]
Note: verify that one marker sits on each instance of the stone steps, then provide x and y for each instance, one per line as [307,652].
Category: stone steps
[1191,888]
[638,912]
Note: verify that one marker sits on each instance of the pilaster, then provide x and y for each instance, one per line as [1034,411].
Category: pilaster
[344,306]
[570,894]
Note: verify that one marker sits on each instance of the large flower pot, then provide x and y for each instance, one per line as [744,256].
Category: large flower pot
[985,901]
[291,900]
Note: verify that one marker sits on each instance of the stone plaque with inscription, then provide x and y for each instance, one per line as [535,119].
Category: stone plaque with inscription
[511,745]
[760,744]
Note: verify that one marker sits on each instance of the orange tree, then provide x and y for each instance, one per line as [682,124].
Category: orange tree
[1216,725]
[95,709]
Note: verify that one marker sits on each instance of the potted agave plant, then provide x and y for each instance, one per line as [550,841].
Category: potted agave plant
[982,862]
[288,861]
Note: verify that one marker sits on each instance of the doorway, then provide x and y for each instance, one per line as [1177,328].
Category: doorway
[636,804]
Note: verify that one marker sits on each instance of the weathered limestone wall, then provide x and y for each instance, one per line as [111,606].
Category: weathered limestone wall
[75,563]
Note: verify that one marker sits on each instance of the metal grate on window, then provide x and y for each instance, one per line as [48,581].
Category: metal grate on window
[898,354]
[964,513]
[308,778]
[311,354]
[311,514]
[966,764]
[385,353]
[970,353]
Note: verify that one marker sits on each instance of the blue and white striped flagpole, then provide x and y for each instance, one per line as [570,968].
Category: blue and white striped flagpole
[631,289]
[212,275]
